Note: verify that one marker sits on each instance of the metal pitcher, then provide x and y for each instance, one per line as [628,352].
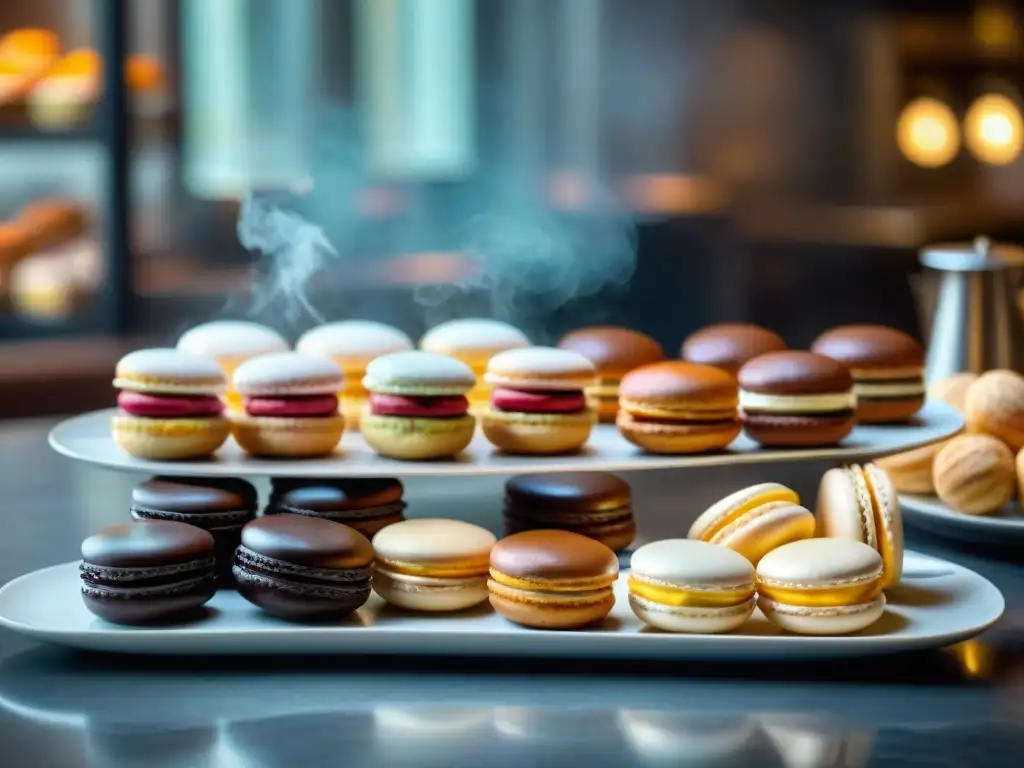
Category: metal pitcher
[977,324]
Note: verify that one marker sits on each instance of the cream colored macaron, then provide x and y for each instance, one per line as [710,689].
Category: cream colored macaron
[681,585]
[473,340]
[432,564]
[860,503]
[755,520]
[821,586]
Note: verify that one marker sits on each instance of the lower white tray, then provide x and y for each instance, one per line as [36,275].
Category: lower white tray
[928,512]
[938,603]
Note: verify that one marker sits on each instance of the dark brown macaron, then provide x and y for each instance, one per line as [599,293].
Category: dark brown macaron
[796,399]
[220,506]
[551,579]
[148,572]
[303,568]
[614,351]
[366,504]
[887,366]
[730,346]
[594,504]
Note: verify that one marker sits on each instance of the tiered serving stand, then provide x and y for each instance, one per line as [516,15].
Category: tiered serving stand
[937,604]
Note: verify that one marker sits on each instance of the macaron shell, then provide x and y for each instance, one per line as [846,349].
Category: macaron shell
[911,471]
[701,621]
[352,344]
[870,347]
[729,345]
[169,371]
[473,339]
[840,620]
[766,528]
[288,373]
[678,385]
[436,543]
[568,491]
[416,439]
[544,368]
[555,560]
[531,609]
[844,509]
[890,410]
[286,437]
[146,545]
[794,373]
[689,563]
[540,434]
[617,535]
[428,594]
[237,339]
[676,438]
[308,542]
[820,563]
[418,373]
[721,512]
[613,350]
[779,431]
[888,523]
[169,439]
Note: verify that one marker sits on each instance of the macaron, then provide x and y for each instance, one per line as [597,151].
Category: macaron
[677,407]
[474,341]
[220,506]
[594,504]
[352,344]
[303,568]
[230,343]
[538,404]
[730,346]
[796,399]
[859,502]
[614,351]
[552,579]
[755,521]
[887,366]
[821,586]
[680,585]
[148,572]
[432,564]
[290,405]
[366,504]
[169,405]
[418,408]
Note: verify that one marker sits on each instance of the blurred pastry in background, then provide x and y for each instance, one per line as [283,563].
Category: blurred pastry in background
[730,346]
[994,405]
[147,84]
[15,243]
[53,221]
[953,390]
[64,96]
[15,83]
[975,474]
[32,51]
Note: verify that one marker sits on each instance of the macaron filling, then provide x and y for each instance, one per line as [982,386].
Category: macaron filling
[533,401]
[254,567]
[419,406]
[159,579]
[160,406]
[299,406]
[832,404]
[690,596]
[848,592]
[871,387]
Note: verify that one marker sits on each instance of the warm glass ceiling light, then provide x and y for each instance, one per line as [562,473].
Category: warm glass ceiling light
[994,130]
[928,133]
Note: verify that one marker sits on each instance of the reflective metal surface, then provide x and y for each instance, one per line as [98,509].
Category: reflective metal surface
[977,325]
[963,706]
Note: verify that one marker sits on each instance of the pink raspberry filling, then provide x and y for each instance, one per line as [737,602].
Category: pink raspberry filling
[292,407]
[521,401]
[426,407]
[169,406]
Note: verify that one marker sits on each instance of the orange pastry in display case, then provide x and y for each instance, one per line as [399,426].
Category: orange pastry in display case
[53,221]
[32,51]
[15,82]
[145,78]
[63,97]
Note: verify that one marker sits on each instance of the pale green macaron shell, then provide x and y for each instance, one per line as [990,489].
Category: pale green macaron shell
[417,373]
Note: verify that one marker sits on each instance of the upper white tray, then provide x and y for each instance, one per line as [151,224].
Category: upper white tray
[87,438]
[938,603]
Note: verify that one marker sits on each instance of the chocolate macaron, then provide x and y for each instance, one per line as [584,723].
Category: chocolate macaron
[366,504]
[887,366]
[303,568]
[796,399]
[220,506]
[593,504]
[677,408]
[614,351]
[141,573]
[730,345]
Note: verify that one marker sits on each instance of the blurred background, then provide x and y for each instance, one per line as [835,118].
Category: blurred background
[555,163]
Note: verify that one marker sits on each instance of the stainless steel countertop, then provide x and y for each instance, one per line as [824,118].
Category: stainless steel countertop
[962,706]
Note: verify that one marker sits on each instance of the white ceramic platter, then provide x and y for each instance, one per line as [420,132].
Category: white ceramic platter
[87,438]
[928,512]
[938,603]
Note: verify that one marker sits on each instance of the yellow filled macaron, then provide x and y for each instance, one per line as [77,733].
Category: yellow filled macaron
[755,521]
